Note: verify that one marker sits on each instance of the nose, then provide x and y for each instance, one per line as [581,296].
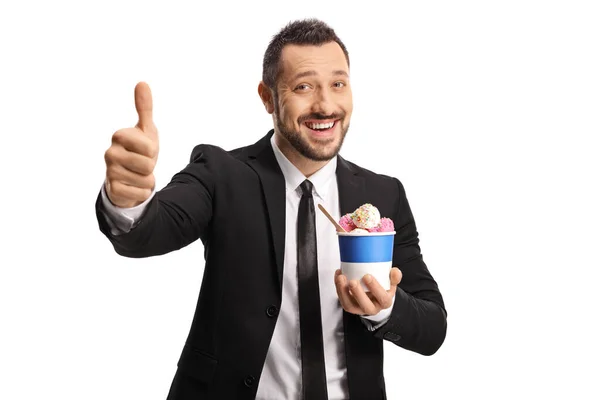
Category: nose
[323,102]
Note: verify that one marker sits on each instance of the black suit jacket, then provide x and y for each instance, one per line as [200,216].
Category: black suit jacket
[235,203]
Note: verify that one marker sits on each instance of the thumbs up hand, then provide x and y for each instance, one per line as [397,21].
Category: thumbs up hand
[132,156]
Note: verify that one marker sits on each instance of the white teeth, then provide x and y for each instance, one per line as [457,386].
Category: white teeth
[320,126]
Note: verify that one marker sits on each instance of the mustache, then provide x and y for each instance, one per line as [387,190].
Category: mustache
[307,117]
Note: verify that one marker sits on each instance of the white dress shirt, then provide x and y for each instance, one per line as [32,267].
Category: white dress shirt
[281,378]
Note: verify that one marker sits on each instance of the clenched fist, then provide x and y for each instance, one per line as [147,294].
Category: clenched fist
[131,158]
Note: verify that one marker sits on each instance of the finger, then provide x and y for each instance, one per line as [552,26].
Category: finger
[346,300]
[395,278]
[118,190]
[378,293]
[134,140]
[116,172]
[143,105]
[132,161]
[361,298]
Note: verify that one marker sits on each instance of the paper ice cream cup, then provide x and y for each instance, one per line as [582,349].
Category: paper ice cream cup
[367,253]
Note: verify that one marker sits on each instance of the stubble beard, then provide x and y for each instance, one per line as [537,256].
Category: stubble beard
[304,147]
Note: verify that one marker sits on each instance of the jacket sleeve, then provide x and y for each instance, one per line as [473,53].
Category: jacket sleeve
[418,319]
[177,215]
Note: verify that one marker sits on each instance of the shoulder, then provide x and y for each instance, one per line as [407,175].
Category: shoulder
[215,153]
[236,155]
[371,177]
[386,191]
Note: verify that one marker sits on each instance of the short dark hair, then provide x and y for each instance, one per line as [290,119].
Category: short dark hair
[302,32]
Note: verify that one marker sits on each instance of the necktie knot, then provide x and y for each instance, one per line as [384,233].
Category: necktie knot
[307,188]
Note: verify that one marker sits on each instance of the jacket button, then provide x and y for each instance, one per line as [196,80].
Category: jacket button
[392,336]
[272,311]
[249,381]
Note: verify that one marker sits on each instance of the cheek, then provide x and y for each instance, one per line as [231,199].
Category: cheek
[347,104]
[347,108]
[291,112]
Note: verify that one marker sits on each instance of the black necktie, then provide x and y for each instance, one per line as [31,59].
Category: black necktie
[314,384]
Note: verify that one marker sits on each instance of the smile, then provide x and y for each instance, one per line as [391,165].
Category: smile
[320,126]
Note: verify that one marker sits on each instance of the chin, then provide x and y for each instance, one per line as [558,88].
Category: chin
[320,151]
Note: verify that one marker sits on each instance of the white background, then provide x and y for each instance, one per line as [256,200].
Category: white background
[486,111]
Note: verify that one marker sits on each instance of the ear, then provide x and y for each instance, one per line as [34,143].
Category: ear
[266,96]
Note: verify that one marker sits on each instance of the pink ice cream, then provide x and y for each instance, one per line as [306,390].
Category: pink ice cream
[385,225]
[347,223]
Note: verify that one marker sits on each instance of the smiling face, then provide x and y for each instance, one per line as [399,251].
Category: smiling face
[313,103]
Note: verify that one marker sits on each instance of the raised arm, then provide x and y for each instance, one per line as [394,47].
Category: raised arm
[138,221]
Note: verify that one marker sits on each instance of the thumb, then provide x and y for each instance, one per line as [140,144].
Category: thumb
[395,276]
[143,105]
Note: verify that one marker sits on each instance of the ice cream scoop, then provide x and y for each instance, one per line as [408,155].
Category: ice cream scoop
[366,216]
[359,231]
[385,225]
[347,223]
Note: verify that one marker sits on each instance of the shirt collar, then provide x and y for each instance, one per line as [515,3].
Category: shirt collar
[321,179]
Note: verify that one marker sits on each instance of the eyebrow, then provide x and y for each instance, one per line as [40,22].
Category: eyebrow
[313,73]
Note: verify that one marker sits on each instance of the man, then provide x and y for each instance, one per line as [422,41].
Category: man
[259,331]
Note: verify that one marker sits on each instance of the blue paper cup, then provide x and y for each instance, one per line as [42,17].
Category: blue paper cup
[367,254]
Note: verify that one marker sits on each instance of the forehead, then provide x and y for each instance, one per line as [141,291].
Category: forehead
[323,59]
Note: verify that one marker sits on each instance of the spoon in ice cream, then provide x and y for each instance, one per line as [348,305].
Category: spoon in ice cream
[338,227]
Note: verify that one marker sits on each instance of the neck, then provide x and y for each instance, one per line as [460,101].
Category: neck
[307,166]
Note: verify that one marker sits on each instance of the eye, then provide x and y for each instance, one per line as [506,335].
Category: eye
[339,84]
[303,87]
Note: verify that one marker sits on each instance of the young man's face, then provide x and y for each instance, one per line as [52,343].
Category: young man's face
[314,101]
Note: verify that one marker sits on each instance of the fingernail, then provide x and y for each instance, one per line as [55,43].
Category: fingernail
[368,278]
[352,284]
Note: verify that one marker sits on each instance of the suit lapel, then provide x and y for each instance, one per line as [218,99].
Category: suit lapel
[262,159]
[351,187]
